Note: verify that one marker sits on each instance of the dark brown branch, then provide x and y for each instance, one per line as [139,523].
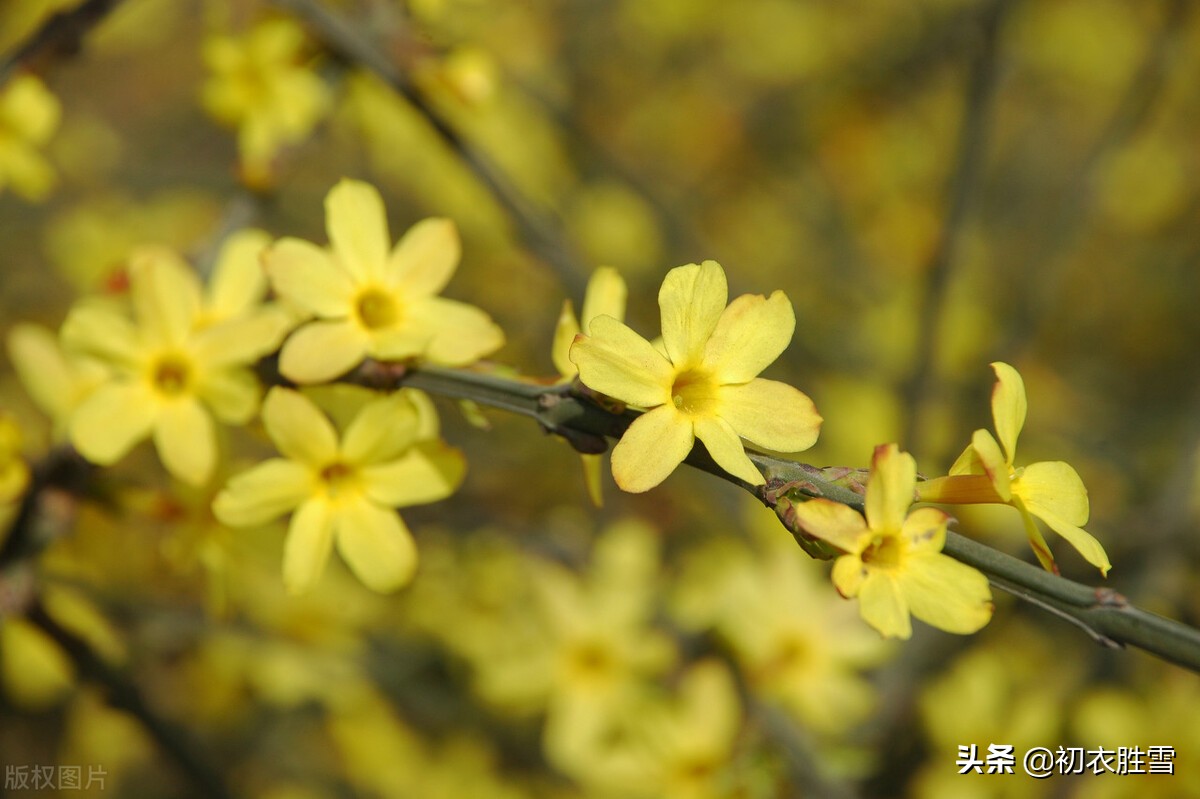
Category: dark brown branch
[124,695]
[60,38]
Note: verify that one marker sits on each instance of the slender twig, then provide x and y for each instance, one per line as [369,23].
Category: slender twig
[123,694]
[61,36]
[981,87]
[345,43]
[1075,201]
[1106,615]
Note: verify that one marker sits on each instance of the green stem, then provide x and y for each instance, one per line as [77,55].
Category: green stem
[568,410]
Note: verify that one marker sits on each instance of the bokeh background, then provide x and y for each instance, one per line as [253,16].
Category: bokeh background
[935,184]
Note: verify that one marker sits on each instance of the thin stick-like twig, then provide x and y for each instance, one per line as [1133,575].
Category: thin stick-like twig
[123,694]
[1106,615]
[963,187]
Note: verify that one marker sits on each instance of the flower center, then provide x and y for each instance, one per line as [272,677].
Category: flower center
[377,308]
[884,552]
[340,478]
[695,392]
[171,375]
[590,661]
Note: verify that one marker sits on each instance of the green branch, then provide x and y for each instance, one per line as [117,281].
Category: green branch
[568,410]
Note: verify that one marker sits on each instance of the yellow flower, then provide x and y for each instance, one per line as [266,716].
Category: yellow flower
[343,490]
[704,385]
[894,563]
[29,115]
[260,86]
[371,302]
[169,374]
[605,296]
[1050,490]
[682,746]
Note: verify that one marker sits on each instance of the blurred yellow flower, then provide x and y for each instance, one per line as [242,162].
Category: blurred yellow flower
[605,296]
[894,563]
[1050,490]
[29,115]
[704,385]
[681,747]
[795,643]
[369,302]
[260,86]
[169,374]
[343,490]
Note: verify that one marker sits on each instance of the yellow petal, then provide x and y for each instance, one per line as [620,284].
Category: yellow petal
[1008,407]
[991,459]
[109,422]
[618,362]
[232,394]
[593,466]
[406,340]
[651,448]
[1037,541]
[605,296]
[834,522]
[967,463]
[750,335]
[771,414]
[35,672]
[320,351]
[240,340]
[726,449]
[381,431]
[884,607]
[30,109]
[376,546]
[1082,540]
[425,258]
[28,172]
[959,489]
[238,281]
[166,295]
[357,226]
[306,550]
[947,594]
[461,333]
[430,471]
[1053,487]
[306,276]
[710,704]
[298,429]
[890,488]
[691,301]
[849,573]
[34,353]
[98,329]
[264,492]
[186,440]
[925,529]
[565,331]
